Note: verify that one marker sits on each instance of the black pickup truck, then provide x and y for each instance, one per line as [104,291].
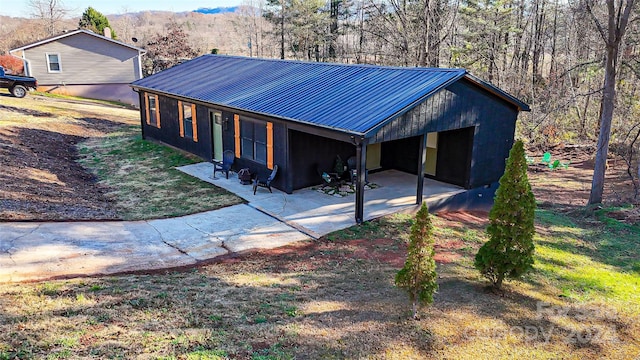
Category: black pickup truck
[17,85]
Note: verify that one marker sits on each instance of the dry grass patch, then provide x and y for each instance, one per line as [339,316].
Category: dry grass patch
[331,299]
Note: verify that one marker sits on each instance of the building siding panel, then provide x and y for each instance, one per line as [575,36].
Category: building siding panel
[310,153]
[169,133]
[84,59]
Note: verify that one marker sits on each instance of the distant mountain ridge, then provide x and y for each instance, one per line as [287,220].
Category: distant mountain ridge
[217,10]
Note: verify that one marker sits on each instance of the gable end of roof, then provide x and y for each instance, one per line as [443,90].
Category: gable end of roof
[498,92]
[75,32]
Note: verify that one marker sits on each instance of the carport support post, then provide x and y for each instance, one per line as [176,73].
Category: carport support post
[361,165]
[422,158]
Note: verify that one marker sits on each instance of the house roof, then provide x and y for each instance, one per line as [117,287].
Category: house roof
[71,33]
[349,98]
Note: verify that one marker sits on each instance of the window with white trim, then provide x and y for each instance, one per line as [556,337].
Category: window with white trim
[53,63]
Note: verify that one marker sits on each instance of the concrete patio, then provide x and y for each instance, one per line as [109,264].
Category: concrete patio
[316,213]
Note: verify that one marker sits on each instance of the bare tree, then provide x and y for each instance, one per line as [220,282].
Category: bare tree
[167,50]
[51,11]
[251,25]
[618,13]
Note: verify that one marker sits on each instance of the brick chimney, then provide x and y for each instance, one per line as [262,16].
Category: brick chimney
[107,32]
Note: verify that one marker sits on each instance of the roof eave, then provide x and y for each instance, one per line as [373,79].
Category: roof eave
[74,32]
[498,92]
[231,107]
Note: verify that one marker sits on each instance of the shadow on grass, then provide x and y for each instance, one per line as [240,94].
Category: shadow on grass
[529,320]
[179,314]
[25,111]
[256,305]
[99,124]
[604,240]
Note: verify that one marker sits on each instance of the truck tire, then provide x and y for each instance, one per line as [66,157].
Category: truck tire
[18,91]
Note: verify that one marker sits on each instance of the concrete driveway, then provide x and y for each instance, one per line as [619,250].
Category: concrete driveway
[43,250]
[38,251]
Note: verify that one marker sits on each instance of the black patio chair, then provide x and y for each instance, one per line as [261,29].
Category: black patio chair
[225,166]
[265,183]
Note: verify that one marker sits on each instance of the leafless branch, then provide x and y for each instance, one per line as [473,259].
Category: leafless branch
[601,30]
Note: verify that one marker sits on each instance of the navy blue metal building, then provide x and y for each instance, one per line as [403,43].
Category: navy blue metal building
[442,123]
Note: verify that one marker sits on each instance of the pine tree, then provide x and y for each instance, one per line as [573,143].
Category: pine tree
[509,251]
[418,276]
[95,21]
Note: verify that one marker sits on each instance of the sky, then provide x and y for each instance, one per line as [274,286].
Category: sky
[20,8]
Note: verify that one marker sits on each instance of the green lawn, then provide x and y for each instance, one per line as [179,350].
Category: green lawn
[142,179]
[334,299]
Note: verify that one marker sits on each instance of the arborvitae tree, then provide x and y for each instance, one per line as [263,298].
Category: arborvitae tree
[509,251]
[95,21]
[418,276]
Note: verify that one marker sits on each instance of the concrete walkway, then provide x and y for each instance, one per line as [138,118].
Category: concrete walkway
[43,250]
[38,251]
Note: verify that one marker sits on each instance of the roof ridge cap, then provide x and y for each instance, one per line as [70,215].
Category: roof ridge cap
[384,67]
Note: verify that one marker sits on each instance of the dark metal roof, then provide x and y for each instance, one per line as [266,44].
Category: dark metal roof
[349,98]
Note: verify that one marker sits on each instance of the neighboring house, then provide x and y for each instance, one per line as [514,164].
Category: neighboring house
[83,63]
[442,123]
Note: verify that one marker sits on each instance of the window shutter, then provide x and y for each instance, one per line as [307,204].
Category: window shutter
[270,145]
[157,112]
[146,106]
[236,134]
[181,118]
[194,122]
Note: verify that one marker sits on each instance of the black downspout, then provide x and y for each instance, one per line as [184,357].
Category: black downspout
[422,158]
[143,114]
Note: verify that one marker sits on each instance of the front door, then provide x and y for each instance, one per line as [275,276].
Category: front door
[215,120]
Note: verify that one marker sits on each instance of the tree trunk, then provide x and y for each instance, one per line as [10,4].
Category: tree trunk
[612,35]
[359,59]
[415,308]
[554,36]
[423,46]
[333,29]
[435,26]
[606,115]
[282,29]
